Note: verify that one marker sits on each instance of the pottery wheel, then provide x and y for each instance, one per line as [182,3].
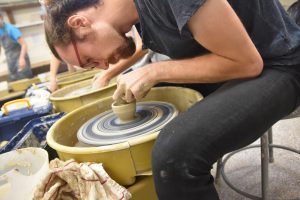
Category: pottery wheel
[107,128]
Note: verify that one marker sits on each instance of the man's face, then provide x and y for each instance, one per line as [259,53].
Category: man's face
[97,46]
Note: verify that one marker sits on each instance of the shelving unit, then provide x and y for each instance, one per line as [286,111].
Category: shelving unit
[26,25]
[9,6]
[25,15]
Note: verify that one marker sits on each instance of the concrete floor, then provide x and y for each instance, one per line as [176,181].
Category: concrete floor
[284,174]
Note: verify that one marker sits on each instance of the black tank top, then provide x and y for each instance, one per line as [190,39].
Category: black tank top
[163,28]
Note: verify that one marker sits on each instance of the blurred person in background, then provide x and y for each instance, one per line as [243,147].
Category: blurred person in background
[54,67]
[15,48]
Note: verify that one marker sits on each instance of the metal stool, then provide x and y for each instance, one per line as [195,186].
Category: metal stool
[266,145]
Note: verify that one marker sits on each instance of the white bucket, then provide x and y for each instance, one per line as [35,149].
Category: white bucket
[21,171]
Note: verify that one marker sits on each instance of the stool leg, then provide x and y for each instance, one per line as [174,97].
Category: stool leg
[270,137]
[264,166]
[218,171]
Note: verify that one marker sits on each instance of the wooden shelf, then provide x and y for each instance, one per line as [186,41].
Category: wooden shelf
[19,5]
[9,7]
[29,24]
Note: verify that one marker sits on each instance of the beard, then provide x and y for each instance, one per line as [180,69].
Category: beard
[126,50]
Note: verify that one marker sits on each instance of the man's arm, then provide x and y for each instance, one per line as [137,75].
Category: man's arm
[22,62]
[233,55]
[216,27]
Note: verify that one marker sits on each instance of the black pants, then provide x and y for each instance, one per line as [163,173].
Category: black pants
[231,117]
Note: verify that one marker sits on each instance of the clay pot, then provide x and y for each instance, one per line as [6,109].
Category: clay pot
[124,111]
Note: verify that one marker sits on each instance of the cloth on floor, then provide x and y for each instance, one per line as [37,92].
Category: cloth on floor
[83,181]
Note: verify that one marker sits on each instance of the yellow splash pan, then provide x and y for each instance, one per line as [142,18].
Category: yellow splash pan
[76,77]
[143,189]
[123,161]
[23,84]
[64,103]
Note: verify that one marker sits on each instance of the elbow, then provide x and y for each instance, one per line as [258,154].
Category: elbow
[255,66]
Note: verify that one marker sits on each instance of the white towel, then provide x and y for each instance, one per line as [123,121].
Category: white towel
[85,181]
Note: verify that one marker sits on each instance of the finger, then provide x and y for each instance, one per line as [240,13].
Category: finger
[141,94]
[142,91]
[128,96]
[119,93]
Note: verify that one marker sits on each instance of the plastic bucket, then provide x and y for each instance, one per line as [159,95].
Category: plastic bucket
[21,171]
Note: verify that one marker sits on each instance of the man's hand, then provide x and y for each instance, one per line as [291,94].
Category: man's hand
[22,64]
[135,85]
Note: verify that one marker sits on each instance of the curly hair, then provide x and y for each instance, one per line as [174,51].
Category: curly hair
[57,30]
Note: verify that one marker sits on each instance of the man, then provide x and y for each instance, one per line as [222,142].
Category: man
[15,51]
[250,48]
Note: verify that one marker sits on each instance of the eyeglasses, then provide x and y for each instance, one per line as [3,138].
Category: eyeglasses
[85,66]
[76,52]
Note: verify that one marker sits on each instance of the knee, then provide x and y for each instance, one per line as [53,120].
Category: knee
[174,160]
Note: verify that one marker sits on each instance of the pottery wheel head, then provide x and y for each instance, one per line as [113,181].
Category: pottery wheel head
[106,128]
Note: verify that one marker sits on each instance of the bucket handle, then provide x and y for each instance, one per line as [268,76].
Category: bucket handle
[14,102]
